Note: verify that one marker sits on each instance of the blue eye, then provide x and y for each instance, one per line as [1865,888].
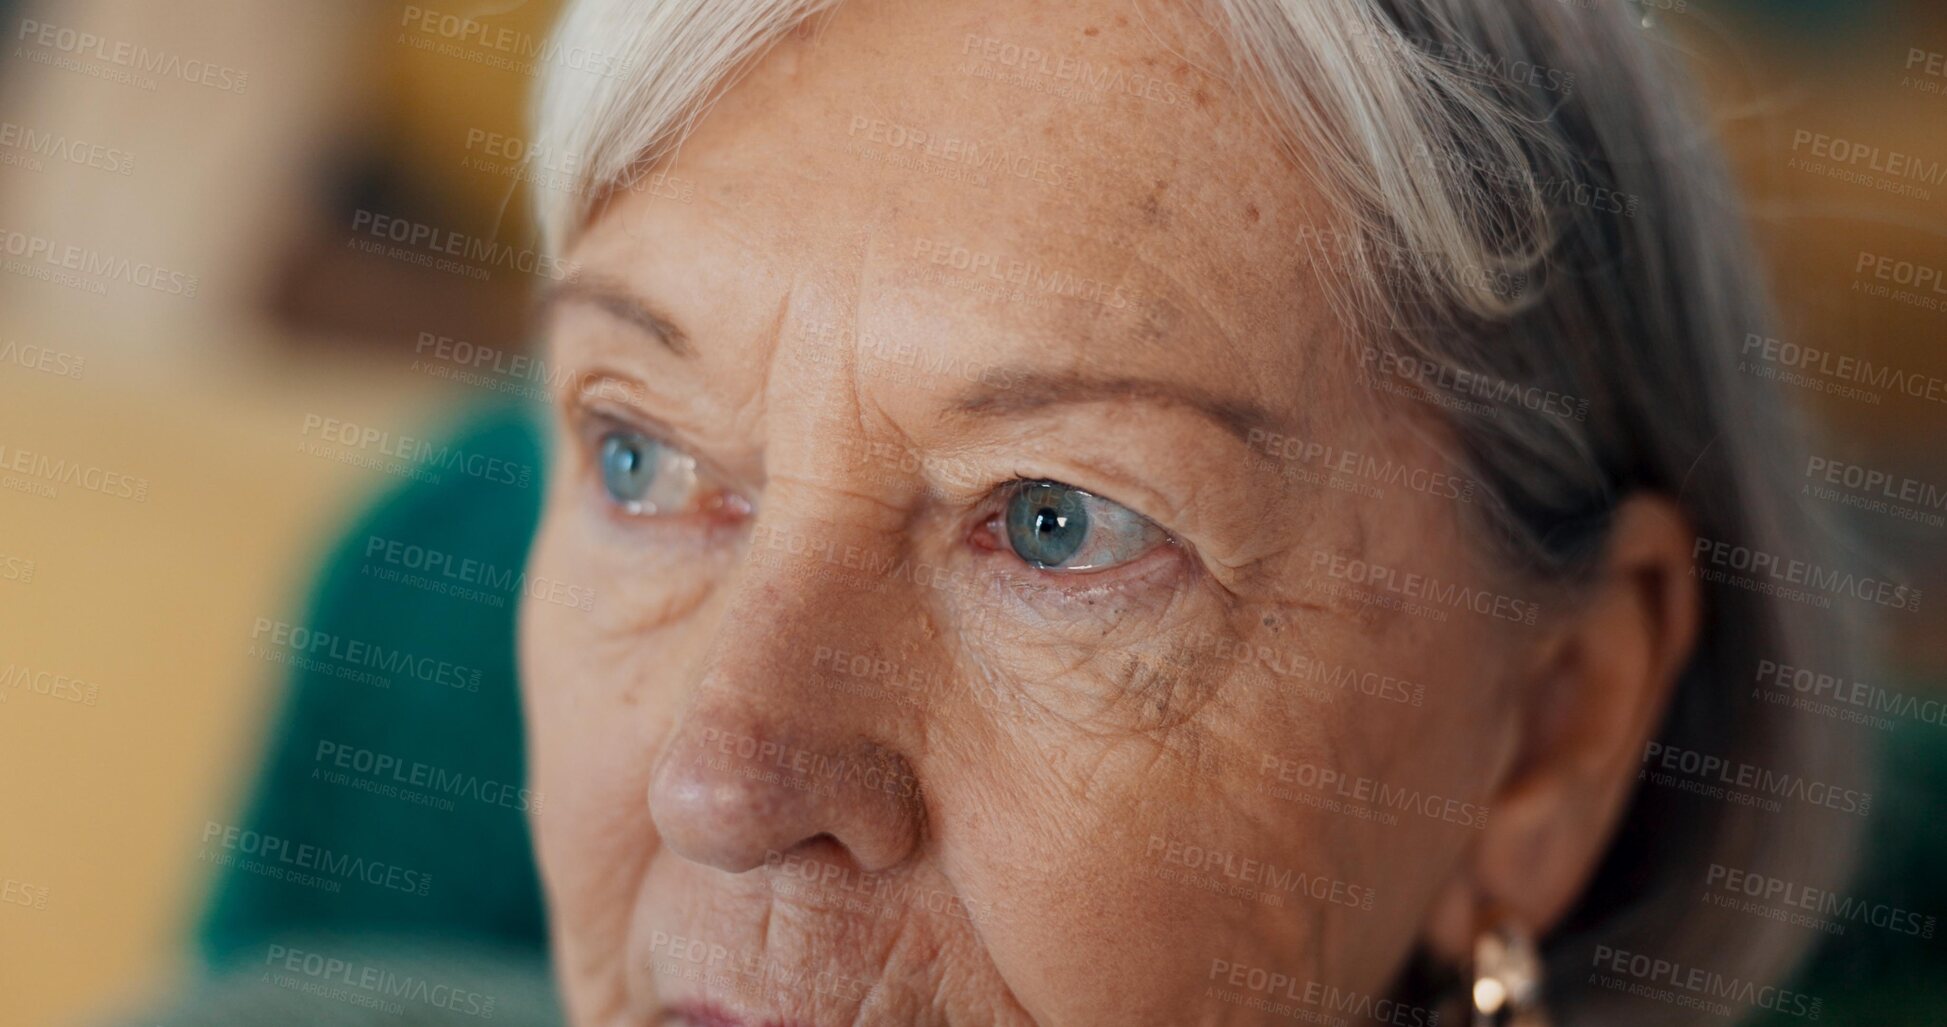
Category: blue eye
[1054,527]
[629,464]
[644,476]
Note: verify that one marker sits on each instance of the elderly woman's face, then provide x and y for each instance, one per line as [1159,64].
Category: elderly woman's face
[1004,606]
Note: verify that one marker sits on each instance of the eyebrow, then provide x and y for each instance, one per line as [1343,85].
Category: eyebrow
[1018,390]
[620,302]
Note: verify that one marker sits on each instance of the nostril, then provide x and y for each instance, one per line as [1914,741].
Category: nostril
[820,860]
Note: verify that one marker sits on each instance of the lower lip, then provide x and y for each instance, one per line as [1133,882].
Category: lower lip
[706,1015]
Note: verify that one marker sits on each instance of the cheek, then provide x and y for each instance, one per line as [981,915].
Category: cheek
[591,739]
[1274,821]
[637,577]
[1089,827]
[1409,710]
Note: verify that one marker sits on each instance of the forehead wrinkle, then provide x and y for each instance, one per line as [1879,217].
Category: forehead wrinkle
[1178,277]
[1269,402]
[865,279]
[862,397]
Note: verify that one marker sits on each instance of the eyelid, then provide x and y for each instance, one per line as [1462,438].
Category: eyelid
[598,386]
[592,412]
[595,421]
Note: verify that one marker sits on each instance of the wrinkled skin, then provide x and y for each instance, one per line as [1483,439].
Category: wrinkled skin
[824,749]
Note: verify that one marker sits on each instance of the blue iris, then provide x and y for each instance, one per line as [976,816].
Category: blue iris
[629,462]
[1047,523]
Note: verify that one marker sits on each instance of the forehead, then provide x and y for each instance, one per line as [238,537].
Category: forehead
[1082,178]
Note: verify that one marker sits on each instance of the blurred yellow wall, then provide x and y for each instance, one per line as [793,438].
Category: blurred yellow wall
[152,602]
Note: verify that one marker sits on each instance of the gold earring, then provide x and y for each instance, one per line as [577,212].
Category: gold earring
[1507,980]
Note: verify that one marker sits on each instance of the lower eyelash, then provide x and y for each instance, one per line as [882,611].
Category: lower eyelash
[1087,588]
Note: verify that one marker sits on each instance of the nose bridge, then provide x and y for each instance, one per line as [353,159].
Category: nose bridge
[846,554]
[773,749]
[820,566]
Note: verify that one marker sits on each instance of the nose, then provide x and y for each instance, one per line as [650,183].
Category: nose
[772,750]
[738,785]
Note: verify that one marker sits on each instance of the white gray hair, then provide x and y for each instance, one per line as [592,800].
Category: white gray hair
[1567,228]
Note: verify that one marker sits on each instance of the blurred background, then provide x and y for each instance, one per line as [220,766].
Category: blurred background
[198,201]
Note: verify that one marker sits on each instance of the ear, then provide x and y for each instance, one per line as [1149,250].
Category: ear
[1596,693]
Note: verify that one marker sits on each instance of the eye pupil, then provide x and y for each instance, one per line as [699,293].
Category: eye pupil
[1047,523]
[628,466]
